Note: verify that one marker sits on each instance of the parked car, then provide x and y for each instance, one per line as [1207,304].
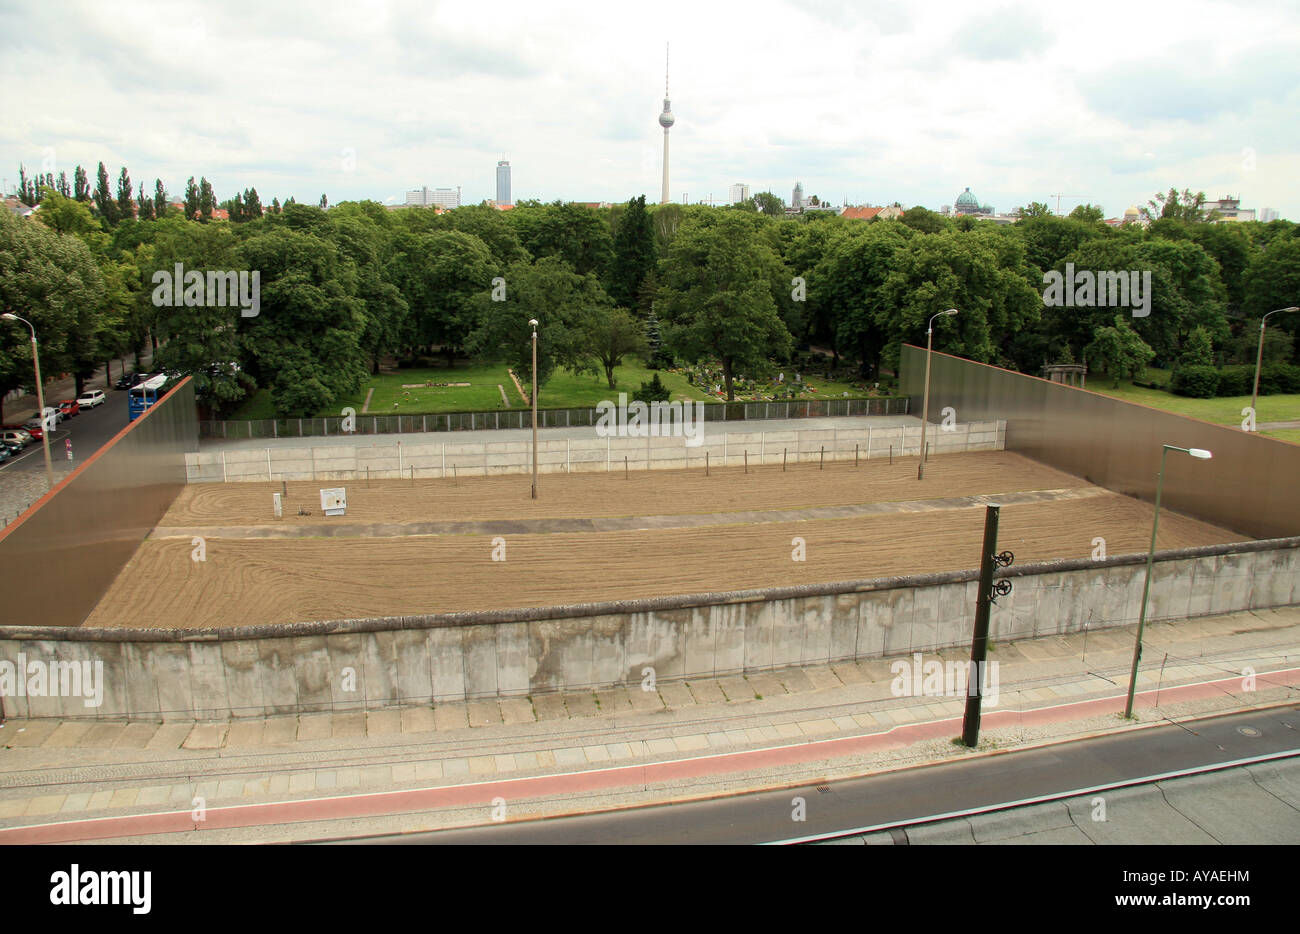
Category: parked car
[49,412]
[13,447]
[17,436]
[5,453]
[69,408]
[127,380]
[91,398]
[36,431]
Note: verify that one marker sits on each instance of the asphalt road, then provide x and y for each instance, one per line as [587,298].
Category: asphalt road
[893,802]
[89,431]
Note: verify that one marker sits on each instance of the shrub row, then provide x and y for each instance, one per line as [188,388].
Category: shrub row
[1204,382]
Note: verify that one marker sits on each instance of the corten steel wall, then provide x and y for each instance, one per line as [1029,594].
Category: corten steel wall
[1252,485]
[417,660]
[71,544]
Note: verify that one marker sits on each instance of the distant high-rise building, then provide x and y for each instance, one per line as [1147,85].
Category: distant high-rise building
[666,120]
[1230,209]
[796,200]
[503,182]
[737,193]
[1267,214]
[434,197]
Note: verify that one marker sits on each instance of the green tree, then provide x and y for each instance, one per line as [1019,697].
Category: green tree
[1119,351]
[104,200]
[716,297]
[1186,207]
[769,204]
[125,201]
[1198,349]
[207,200]
[80,185]
[144,205]
[1034,209]
[634,254]
[191,200]
[160,200]
[561,301]
[610,334]
[441,276]
[925,221]
[1088,213]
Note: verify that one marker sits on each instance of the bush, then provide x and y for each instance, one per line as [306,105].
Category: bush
[1199,382]
[1236,380]
[653,391]
[1279,378]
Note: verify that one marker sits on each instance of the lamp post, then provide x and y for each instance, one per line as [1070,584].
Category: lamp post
[1200,454]
[533,322]
[40,400]
[1259,359]
[925,407]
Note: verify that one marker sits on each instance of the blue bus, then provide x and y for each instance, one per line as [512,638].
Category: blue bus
[144,395]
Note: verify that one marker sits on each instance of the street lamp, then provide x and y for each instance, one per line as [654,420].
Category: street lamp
[1259,358]
[533,322]
[925,407]
[40,400]
[1199,454]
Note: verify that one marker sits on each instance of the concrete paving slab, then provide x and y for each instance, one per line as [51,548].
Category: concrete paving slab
[136,735]
[68,733]
[20,733]
[795,681]
[383,722]
[453,716]
[581,704]
[550,707]
[676,694]
[280,731]
[707,692]
[516,710]
[644,700]
[245,733]
[315,726]
[823,679]
[483,713]
[350,725]
[615,700]
[765,685]
[418,720]
[206,736]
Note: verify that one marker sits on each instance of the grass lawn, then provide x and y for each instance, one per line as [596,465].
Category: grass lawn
[405,392]
[566,390]
[1220,411]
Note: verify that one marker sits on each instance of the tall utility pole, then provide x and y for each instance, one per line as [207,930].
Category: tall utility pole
[533,322]
[47,425]
[925,406]
[666,120]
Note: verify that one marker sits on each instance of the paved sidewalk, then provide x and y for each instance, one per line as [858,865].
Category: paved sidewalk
[80,769]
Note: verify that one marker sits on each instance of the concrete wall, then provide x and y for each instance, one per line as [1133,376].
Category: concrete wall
[71,544]
[255,671]
[350,459]
[1250,484]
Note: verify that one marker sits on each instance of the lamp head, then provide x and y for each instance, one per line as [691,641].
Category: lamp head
[533,322]
[951,311]
[1200,453]
[8,317]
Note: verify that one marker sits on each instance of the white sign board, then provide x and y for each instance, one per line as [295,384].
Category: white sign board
[278,506]
[334,502]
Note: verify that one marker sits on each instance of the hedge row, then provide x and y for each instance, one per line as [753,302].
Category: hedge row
[1203,382]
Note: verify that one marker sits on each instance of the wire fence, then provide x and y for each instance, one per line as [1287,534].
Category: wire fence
[522,418]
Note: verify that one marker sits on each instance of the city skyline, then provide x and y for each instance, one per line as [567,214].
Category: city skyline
[1022,104]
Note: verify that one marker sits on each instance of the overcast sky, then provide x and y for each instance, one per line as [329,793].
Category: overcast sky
[875,101]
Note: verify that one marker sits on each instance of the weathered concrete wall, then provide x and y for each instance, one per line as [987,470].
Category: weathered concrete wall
[255,671]
[350,460]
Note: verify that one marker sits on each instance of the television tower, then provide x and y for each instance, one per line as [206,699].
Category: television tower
[666,120]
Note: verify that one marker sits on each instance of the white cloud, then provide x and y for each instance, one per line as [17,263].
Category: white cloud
[869,100]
